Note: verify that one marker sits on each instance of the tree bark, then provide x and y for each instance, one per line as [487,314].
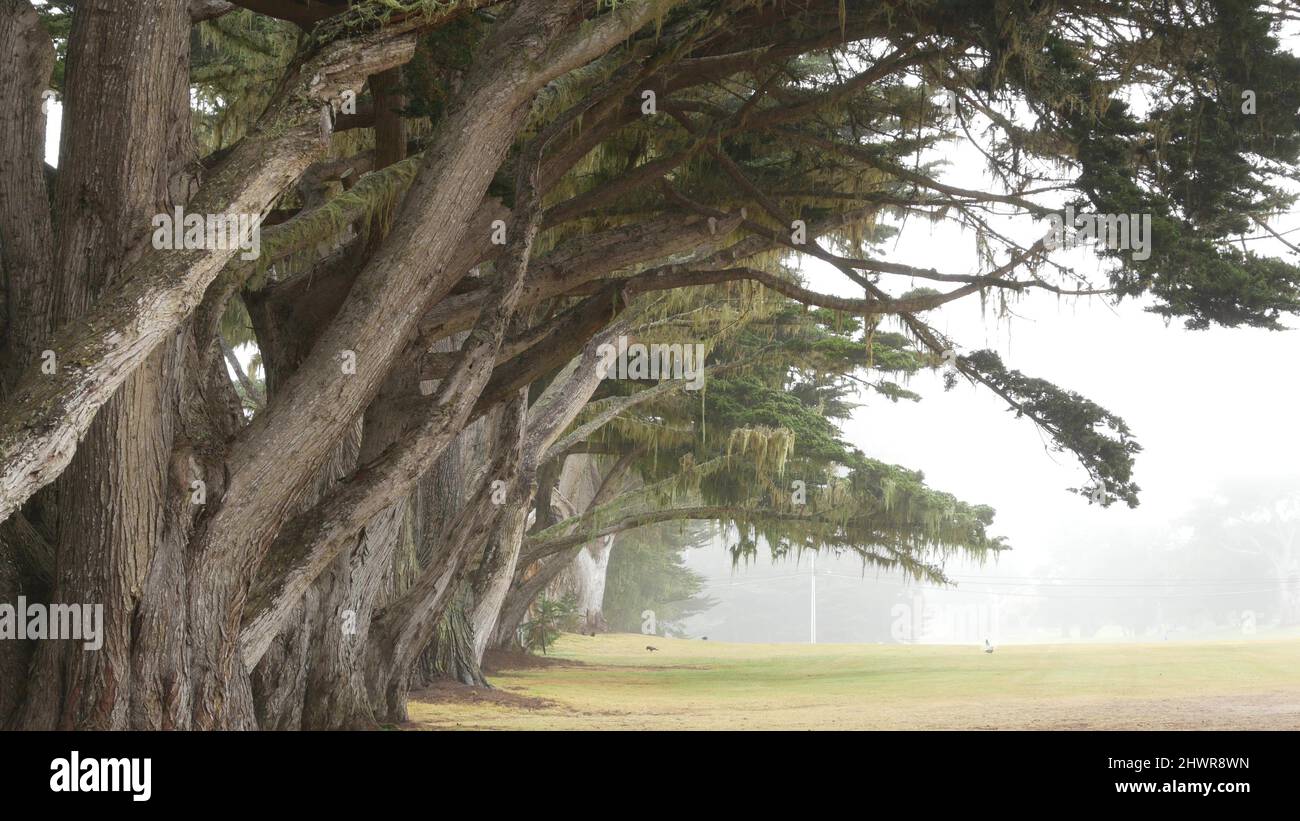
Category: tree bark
[167,509]
[406,626]
[47,413]
[453,645]
[26,233]
[591,489]
[584,579]
[132,135]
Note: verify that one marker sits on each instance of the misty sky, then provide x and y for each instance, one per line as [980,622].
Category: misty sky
[1208,407]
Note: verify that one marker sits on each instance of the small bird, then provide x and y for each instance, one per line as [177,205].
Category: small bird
[651,649]
[706,638]
[988,648]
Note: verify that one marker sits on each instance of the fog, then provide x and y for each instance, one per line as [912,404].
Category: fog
[1210,552]
[1215,413]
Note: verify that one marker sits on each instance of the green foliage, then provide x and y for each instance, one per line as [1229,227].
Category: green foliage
[647,572]
[549,618]
[1196,162]
[769,417]
[1100,439]
[236,62]
[440,56]
[56,17]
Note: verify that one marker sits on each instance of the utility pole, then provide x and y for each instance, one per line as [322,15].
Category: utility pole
[813,600]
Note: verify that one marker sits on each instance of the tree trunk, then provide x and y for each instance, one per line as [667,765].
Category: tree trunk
[441,496]
[524,590]
[584,579]
[14,655]
[48,412]
[167,510]
[454,648]
[408,623]
[581,480]
[313,680]
[132,116]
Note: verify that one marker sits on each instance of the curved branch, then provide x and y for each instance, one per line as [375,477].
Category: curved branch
[48,413]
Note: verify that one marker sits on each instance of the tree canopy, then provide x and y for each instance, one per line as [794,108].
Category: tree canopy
[395,412]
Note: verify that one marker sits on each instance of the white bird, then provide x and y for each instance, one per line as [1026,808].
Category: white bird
[988,648]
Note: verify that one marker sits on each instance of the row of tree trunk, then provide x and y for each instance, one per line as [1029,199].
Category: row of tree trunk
[304,570]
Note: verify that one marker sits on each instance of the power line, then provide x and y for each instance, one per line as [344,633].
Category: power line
[1054,594]
[1271,582]
[1063,594]
[1078,581]
[1188,580]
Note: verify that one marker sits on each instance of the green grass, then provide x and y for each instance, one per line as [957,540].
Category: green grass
[613,682]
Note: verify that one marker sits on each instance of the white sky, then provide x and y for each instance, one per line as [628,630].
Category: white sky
[1206,406]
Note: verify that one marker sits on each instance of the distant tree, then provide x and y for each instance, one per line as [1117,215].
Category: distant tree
[1251,530]
[647,572]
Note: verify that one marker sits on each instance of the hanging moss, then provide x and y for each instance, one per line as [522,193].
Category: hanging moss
[367,206]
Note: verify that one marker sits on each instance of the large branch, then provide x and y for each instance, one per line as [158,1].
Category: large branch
[587,259]
[554,333]
[201,10]
[314,538]
[405,625]
[592,317]
[539,351]
[596,37]
[558,405]
[48,413]
[608,412]
[539,547]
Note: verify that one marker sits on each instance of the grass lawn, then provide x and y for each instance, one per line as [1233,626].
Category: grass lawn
[613,682]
